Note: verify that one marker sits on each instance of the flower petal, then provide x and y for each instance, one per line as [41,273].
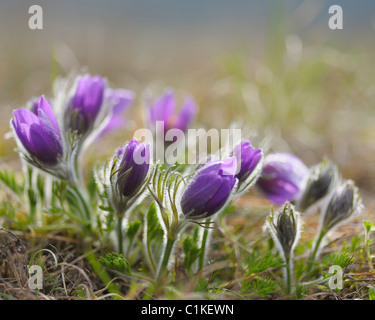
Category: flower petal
[186,115]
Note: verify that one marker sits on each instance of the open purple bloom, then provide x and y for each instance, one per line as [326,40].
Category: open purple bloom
[283,177]
[163,109]
[247,158]
[134,160]
[39,132]
[86,103]
[120,100]
[210,189]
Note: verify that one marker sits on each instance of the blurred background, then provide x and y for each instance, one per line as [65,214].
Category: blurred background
[273,65]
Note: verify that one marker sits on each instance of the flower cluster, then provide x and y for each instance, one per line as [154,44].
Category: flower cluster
[286,179]
[52,135]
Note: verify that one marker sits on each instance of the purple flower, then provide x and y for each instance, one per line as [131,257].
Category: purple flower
[134,160]
[210,189]
[86,103]
[39,132]
[163,109]
[120,100]
[247,158]
[283,177]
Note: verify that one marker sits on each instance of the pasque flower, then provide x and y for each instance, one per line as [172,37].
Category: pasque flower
[85,103]
[284,226]
[206,194]
[120,100]
[123,180]
[210,189]
[344,203]
[248,159]
[283,177]
[123,177]
[134,160]
[38,131]
[322,180]
[164,109]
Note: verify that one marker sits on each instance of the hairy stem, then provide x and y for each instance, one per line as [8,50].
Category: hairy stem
[289,272]
[316,250]
[202,254]
[85,206]
[120,237]
[166,256]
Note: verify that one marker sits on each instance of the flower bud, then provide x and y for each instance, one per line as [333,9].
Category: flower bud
[134,160]
[210,189]
[39,132]
[247,159]
[122,179]
[283,177]
[322,181]
[284,226]
[345,202]
[85,103]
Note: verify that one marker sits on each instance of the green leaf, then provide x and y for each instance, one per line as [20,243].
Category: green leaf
[40,186]
[300,291]
[104,208]
[191,251]
[368,225]
[371,292]
[154,235]
[356,243]
[133,229]
[256,264]
[116,262]
[154,229]
[32,201]
[341,259]
[259,286]
[8,177]
[202,285]
[7,297]
[92,186]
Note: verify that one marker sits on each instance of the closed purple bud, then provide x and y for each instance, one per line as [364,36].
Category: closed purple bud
[86,103]
[210,189]
[134,160]
[163,109]
[39,132]
[283,177]
[247,158]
